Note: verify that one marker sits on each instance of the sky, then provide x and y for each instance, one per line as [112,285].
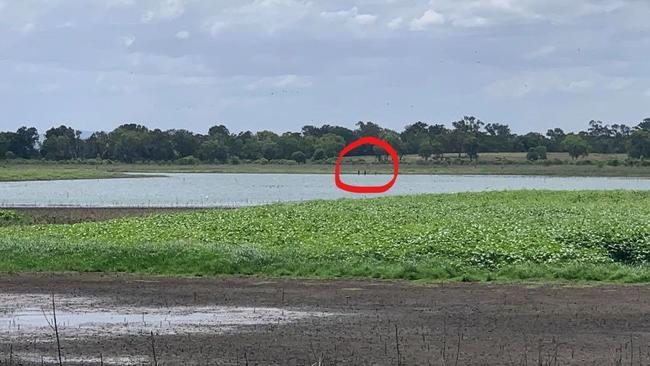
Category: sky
[281,64]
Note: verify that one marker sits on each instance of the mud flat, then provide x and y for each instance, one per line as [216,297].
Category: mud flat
[110,319]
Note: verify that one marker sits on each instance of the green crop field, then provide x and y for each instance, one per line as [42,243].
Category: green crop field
[518,235]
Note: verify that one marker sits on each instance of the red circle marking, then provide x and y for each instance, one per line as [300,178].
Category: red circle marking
[366,189]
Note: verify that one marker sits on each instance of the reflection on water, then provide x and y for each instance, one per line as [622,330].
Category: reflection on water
[22,315]
[211,190]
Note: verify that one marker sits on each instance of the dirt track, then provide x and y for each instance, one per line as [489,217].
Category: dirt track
[450,324]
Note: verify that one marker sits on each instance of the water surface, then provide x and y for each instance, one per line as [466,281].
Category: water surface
[214,189]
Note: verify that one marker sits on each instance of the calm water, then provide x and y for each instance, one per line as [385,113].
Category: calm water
[251,189]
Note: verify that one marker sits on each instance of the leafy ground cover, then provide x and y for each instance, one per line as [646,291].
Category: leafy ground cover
[517,235]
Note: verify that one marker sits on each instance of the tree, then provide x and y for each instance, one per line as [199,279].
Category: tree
[184,142]
[425,151]
[218,131]
[414,136]
[644,125]
[395,141]
[161,146]
[319,154]
[555,136]
[5,141]
[213,150]
[576,146]
[270,150]
[536,153]
[331,144]
[299,157]
[129,143]
[640,144]
[61,143]
[23,142]
[96,146]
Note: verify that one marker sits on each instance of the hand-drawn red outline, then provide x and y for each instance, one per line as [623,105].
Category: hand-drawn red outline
[366,189]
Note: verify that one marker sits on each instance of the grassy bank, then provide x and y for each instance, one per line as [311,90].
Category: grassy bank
[53,171]
[524,235]
[23,172]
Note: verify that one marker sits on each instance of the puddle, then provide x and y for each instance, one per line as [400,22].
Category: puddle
[22,315]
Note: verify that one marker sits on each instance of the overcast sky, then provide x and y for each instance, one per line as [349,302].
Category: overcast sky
[281,64]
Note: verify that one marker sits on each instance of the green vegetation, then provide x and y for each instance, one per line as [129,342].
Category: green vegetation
[556,164]
[10,217]
[469,137]
[519,235]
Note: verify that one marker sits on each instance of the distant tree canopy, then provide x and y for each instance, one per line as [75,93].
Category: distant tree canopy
[469,136]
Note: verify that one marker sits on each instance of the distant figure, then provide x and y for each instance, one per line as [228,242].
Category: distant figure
[358,172]
[364,172]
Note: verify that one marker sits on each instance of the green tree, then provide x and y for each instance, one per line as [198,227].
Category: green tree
[536,153]
[425,151]
[5,141]
[576,146]
[61,143]
[23,142]
[213,150]
[270,150]
[644,125]
[184,142]
[96,146]
[639,145]
[299,157]
[331,144]
[319,154]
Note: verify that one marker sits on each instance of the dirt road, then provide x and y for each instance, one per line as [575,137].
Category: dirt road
[110,319]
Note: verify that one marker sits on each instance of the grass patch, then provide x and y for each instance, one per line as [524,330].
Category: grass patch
[489,236]
[491,165]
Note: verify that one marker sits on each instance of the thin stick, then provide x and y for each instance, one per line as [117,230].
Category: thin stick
[399,356]
[56,331]
[153,349]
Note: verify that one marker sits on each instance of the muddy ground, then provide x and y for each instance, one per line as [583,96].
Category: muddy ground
[366,322]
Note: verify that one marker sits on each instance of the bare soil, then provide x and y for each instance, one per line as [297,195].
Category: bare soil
[369,323]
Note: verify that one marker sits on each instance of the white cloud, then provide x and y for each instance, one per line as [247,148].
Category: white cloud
[127,41]
[395,23]
[119,3]
[215,27]
[541,52]
[269,15]
[569,80]
[340,14]
[365,19]
[182,34]
[430,17]
[351,14]
[165,10]
[472,21]
[66,25]
[26,28]
[290,81]
[146,63]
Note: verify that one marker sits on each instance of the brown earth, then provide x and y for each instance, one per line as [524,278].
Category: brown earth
[374,322]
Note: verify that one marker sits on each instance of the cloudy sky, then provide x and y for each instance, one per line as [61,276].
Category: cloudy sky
[281,64]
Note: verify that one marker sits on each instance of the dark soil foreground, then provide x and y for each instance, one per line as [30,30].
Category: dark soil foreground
[380,323]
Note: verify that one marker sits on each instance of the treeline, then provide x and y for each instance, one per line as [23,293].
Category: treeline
[467,137]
